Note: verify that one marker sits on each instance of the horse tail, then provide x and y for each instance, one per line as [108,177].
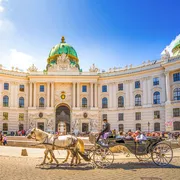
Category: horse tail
[80,145]
[84,156]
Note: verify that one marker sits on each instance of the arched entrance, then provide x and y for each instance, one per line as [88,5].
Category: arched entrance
[63,119]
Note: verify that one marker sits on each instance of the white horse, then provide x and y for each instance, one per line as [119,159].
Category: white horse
[51,142]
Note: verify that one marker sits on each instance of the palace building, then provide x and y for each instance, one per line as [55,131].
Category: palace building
[64,98]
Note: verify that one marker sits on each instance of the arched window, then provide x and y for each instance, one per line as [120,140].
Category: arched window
[120,101]
[5,101]
[104,102]
[5,126]
[138,100]
[121,127]
[41,102]
[138,126]
[176,94]
[156,126]
[176,125]
[21,127]
[156,97]
[84,102]
[21,102]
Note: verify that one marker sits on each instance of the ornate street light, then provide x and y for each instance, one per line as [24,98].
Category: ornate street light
[148,126]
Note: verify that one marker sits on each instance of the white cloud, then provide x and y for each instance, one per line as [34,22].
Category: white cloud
[19,59]
[1,9]
[171,45]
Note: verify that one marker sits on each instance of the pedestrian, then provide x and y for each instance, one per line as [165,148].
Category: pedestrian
[4,140]
[1,138]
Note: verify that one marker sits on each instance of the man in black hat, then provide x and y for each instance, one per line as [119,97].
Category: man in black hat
[105,131]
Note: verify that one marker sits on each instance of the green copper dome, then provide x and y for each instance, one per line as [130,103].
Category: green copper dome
[176,48]
[61,48]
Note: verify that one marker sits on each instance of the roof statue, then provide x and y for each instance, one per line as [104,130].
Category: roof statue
[32,68]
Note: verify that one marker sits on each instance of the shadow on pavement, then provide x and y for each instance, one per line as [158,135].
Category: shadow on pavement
[126,166]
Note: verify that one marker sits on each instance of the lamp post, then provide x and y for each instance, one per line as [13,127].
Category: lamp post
[148,126]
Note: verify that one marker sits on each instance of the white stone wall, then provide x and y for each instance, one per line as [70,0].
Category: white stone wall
[71,84]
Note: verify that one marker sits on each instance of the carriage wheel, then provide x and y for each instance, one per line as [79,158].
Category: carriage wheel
[103,157]
[162,154]
[145,157]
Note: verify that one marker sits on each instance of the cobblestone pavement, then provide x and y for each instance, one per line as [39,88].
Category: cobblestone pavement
[24,168]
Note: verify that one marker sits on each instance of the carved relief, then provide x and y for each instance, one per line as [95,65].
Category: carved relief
[62,64]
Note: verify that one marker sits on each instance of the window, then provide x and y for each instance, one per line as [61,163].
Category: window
[6,86]
[156,126]
[176,77]
[120,87]
[41,102]
[21,116]
[41,88]
[21,102]
[155,81]
[5,116]
[138,100]
[121,127]
[5,126]
[137,84]
[121,116]
[104,116]
[138,116]
[104,88]
[176,125]
[156,97]
[104,103]
[84,88]
[156,114]
[21,88]
[84,102]
[21,127]
[5,101]
[138,126]
[120,101]
[176,94]
[176,112]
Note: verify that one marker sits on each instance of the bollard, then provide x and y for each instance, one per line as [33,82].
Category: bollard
[24,152]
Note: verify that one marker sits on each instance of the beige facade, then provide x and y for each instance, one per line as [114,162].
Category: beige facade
[62,98]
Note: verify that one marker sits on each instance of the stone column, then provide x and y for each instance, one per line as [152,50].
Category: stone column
[16,104]
[30,95]
[131,95]
[127,93]
[149,90]
[12,97]
[110,95]
[48,93]
[114,101]
[168,92]
[34,94]
[96,95]
[78,94]
[74,94]
[91,86]
[52,94]
[1,89]
[145,91]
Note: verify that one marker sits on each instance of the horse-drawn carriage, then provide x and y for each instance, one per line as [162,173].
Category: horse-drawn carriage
[154,148]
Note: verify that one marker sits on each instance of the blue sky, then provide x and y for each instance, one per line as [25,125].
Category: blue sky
[107,33]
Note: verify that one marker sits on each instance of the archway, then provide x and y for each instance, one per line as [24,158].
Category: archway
[63,124]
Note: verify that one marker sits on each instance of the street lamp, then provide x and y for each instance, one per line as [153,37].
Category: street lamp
[148,126]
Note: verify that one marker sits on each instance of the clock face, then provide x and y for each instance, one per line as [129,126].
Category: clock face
[63,96]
